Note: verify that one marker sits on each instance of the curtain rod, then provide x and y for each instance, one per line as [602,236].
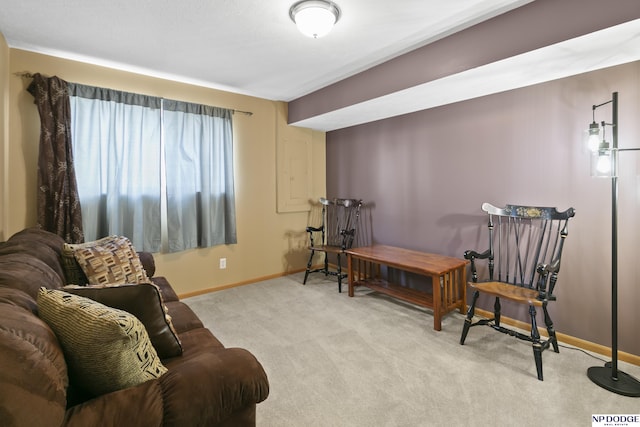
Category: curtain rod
[29,75]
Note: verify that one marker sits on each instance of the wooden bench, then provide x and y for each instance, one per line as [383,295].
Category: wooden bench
[448,277]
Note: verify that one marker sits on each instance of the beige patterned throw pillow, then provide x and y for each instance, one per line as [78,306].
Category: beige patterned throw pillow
[72,270]
[111,260]
[106,349]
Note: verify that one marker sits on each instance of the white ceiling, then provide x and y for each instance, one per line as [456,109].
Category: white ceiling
[244,46]
[251,46]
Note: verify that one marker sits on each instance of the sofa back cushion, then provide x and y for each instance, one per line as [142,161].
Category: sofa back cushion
[43,237]
[27,273]
[33,373]
[36,249]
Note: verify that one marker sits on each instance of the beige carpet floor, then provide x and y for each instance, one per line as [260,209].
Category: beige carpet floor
[370,360]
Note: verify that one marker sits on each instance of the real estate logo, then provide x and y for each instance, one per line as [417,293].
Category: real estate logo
[615,420]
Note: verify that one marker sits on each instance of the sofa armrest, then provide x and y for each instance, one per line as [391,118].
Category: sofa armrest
[148,263]
[205,386]
[33,372]
[208,387]
[135,406]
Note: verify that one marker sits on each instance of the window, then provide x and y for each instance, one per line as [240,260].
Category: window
[157,171]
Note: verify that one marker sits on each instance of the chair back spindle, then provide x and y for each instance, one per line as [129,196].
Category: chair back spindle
[521,239]
[342,217]
[335,235]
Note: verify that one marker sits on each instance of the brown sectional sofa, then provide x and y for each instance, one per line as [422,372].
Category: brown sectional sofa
[207,385]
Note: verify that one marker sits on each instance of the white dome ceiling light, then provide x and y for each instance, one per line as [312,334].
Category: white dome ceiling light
[314,18]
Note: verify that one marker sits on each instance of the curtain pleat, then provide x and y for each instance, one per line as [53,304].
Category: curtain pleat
[200,185]
[110,95]
[117,144]
[58,204]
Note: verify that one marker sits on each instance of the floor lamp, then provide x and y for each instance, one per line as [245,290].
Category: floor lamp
[605,163]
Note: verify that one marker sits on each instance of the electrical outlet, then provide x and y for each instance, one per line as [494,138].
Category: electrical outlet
[223,263]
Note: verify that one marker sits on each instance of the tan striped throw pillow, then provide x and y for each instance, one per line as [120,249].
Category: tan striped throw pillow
[144,301]
[105,349]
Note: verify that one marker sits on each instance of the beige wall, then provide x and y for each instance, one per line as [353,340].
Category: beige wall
[269,243]
[4,130]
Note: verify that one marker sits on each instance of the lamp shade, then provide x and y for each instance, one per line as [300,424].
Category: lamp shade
[603,161]
[601,164]
[593,137]
[314,18]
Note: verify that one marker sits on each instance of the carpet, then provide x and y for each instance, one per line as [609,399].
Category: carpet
[371,360]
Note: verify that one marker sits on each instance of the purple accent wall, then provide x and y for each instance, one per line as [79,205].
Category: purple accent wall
[426,174]
[535,25]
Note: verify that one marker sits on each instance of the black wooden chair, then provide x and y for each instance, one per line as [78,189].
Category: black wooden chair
[522,265]
[335,234]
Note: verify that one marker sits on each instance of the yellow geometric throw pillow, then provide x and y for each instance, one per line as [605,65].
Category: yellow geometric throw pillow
[144,301]
[112,261]
[106,349]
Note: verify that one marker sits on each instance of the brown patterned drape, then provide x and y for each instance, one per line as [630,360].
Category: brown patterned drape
[58,202]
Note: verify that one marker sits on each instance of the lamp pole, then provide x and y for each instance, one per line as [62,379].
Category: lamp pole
[608,376]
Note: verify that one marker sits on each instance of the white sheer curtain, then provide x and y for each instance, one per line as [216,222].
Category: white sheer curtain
[118,139]
[116,145]
[199,171]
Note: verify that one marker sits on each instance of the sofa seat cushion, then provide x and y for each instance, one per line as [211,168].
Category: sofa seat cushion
[143,301]
[184,319]
[197,340]
[33,371]
[168,294]
[106,349]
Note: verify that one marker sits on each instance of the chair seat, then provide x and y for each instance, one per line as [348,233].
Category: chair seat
[326,248]
[509,291]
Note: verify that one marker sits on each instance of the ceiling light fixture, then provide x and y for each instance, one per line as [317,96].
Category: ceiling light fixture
[314,18]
